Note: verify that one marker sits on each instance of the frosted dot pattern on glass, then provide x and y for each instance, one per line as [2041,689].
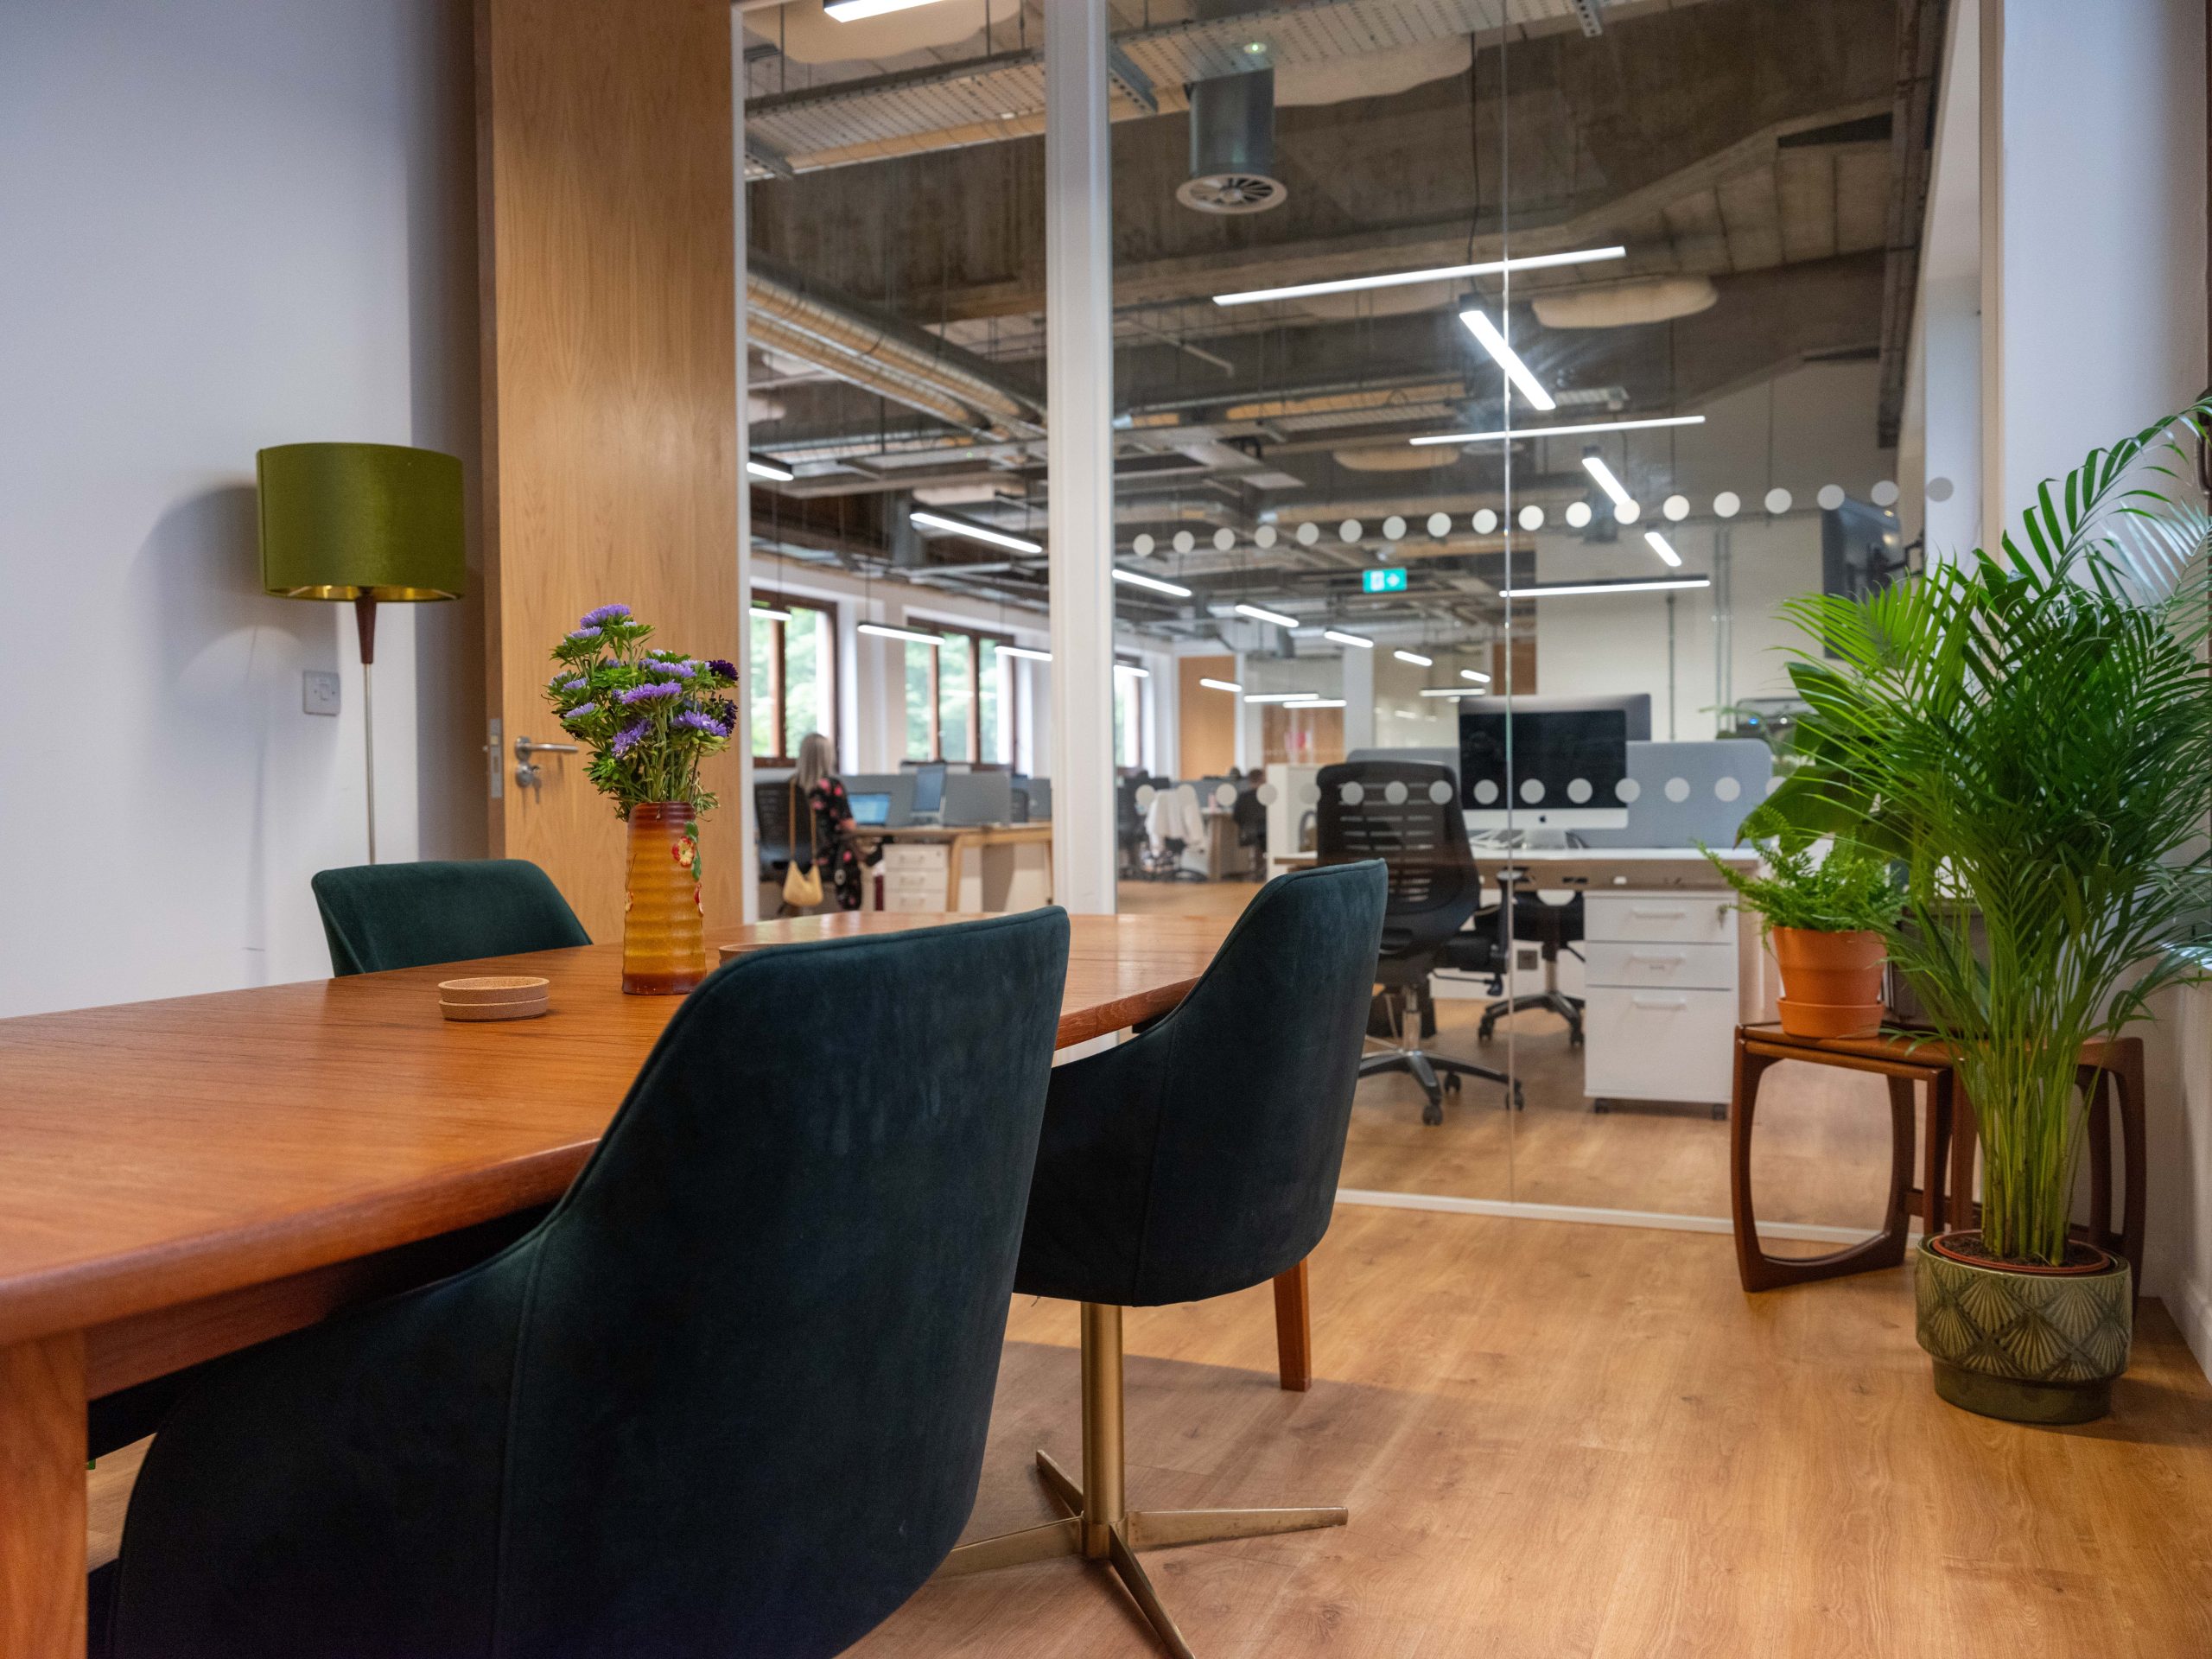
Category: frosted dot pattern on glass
[1394,793]
[1678,790]
[1578,514]
[1142,546]
[1394,528]
[1439,524]
[1349,530]
[1532,518]
[1264,537]
[1885,493]
[1532,790]
[1627,512]
[1224,796]
[1440,792]
[1268,794]
[1727,505]
[1484,522]
[1727,789]
[1223,540]
[1627,792]
[1308,534]
[1774,782]
[1676,507]
[1831,496]
[1187,795]
[1778,499]
[1309,793]
[1353,792]
[1146,796]
[1578,790]
[1185,541]
[1485,791]
[1941,489]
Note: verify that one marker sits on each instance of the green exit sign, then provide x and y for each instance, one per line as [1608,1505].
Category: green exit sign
[1389,580]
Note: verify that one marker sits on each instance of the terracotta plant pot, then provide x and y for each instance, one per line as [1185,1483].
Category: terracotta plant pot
[1831,982]
[2027,1345]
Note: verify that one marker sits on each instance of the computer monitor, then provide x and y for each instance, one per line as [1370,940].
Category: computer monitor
[870,809]
[928,789]
[1562,759]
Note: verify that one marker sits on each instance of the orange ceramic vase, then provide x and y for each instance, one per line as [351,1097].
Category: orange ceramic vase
[663,932]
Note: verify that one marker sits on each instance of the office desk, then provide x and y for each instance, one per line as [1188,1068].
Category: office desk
[925,867]
[180,1178]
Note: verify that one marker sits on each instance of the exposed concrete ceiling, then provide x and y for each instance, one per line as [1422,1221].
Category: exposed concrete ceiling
[1776,148]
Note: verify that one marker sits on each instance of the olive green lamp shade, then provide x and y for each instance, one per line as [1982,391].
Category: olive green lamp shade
[375,521]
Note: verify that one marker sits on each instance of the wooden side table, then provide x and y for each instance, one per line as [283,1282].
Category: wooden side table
[2111,1076]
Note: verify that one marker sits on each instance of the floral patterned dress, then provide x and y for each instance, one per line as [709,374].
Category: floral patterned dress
[837,855]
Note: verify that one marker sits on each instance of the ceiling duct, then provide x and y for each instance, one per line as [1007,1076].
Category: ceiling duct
[1233,146]
[1623,305]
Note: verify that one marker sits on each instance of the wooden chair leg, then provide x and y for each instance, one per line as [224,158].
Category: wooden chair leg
[1293,1330]
[1934,1202]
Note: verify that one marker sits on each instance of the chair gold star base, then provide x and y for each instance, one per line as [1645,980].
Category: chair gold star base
[1096,1527]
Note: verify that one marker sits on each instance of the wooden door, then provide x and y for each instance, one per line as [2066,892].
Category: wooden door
[1206,737]
[610,387]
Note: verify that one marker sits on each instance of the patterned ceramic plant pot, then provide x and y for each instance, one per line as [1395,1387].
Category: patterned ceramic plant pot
[663,938]
[2028,1345]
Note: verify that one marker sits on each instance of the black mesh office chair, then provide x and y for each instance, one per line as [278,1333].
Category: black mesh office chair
[1250,817]
[773,813]
[1406,814]
[1553,928]
[1128,827]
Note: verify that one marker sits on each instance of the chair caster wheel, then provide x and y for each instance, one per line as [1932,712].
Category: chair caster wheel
[1432,1113]
[1520,1101]
[1601,1106]
[1483,1032]
[1452,1083]
[1574,1038]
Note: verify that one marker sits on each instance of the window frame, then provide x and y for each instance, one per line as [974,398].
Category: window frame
[1008,714]
[779,678]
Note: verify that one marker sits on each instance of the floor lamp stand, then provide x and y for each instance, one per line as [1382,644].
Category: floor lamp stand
[364,622]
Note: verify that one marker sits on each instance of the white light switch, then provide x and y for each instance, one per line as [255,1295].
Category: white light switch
[319,692]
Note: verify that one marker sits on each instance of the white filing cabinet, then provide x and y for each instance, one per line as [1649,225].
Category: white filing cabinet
[914,874]
[1662,985]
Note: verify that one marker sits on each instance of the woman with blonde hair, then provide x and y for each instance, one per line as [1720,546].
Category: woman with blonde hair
[836,847]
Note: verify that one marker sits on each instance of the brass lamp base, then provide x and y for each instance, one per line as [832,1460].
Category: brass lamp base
[1096,1527]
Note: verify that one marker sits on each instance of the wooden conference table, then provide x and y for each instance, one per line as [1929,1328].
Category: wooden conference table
[180,1178]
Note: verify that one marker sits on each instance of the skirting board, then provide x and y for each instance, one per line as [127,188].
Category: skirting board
[2191,1306]
[1809,1231]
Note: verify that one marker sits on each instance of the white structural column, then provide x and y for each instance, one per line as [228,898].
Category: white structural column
[1079,397]
[749,889]
[1359,700]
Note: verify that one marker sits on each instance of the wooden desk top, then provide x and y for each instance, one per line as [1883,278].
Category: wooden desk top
[158,1153]
[987,834]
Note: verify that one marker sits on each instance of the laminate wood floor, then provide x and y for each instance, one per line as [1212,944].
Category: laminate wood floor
[1560,1441]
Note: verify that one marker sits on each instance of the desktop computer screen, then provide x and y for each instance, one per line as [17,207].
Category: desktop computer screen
[1560,760]
[928,789]
[870,809]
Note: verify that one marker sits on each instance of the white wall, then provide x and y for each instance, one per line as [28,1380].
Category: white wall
[228,223]
[2101,226]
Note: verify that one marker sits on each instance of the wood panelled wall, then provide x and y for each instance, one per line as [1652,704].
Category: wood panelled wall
[610,384]
[1206,720]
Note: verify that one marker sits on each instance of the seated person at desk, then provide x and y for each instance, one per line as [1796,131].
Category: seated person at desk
[836,848]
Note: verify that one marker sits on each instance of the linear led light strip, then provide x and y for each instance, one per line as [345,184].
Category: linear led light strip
[885,630]
[769,470]
[1658,544]
[771,613]
[1344,639]
[852,11]
[1653,585]
[1436,274]
[1282,696]
[1222,685]
[976,532]
[1480,326]
[1258,615]
[1560,431]
[1598,469]
[1029,653]
[1137,579]
[1415,658]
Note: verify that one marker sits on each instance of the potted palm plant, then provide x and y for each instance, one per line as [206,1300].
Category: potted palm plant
[1827,919]
[2029,737]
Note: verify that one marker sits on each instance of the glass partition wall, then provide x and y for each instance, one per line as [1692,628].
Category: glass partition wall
[1484,397]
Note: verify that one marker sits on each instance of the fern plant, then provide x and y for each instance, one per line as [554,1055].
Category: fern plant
[1848,892]
[2030,736]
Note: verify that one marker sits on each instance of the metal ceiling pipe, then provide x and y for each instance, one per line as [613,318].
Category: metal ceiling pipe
[866,352]
[1233,145]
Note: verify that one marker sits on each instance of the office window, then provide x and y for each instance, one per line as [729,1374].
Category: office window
[960,698]
[1128,718]
[794,675]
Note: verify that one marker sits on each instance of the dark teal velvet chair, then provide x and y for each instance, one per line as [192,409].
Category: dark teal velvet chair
[729,1399]
[1198,1158]
[382,916]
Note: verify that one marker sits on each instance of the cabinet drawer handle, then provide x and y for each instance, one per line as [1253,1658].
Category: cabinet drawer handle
[1676,956]
[1660,1002]
[1654,914]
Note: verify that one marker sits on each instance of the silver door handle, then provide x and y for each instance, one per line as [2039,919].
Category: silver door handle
[527,774]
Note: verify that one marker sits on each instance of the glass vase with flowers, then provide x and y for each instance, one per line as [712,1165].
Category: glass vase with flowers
[648,716]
